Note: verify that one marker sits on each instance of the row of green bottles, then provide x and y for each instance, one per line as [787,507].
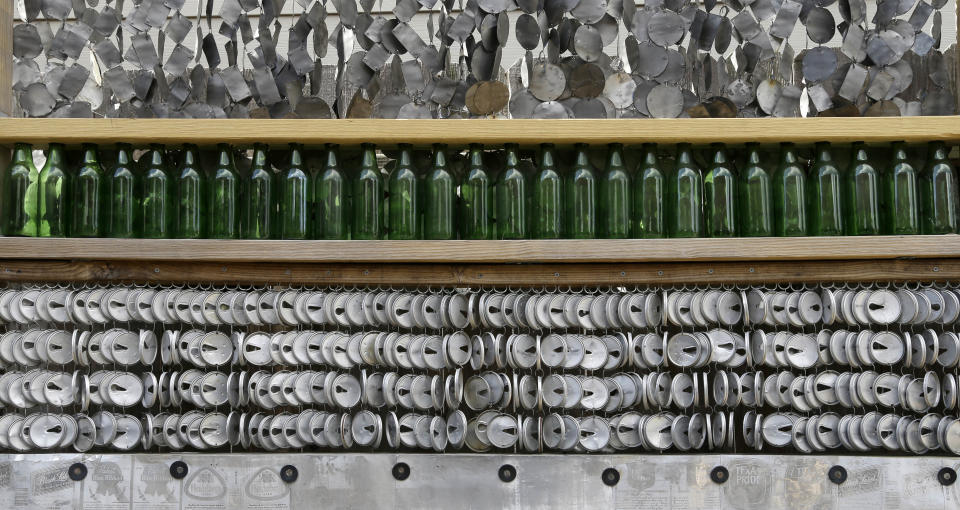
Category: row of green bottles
[147,199]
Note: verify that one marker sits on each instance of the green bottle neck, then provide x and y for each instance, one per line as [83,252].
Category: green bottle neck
[615,158]
[439,156]
[155,158]
[788,155]
[684,155]
[476,157]
[512,160]
[650,155]
[548,160]
[369,159]
[823,152]
[405,158]
[899,152]
[55,155]
[259,156]
[124,155]
[719,156]
[938,151]
[860,153]
[753,155]
[89,153]
[582,159]
[224,157]
[22,153]
[191,156]
[296,156]
[333,161]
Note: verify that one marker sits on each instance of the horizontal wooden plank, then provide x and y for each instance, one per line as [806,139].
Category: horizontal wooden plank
[487,131]
[481,275]
[528,251]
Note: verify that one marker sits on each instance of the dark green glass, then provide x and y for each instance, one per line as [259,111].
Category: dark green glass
[580,203]
[295,197]
[789,195]
[404,189]
[367,196]
[720,195]
[862,194]
[649,187]
[938,192]
[825,194]
[89,196]
[615,196]
[547,196]
[260,198]
[333,201]
[20,185]
[511,190]
[191,196]
[157,209]
[224,203]
[685,195]
[900,211]
[440,198]
[123,187]
[53,186]
[756,196]
[476,198]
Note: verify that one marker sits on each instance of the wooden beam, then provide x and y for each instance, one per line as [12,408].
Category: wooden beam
[481,275]
[525,251]
[529,132]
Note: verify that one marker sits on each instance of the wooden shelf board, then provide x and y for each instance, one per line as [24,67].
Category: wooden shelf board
[473,252]
[481,275]
[487,131]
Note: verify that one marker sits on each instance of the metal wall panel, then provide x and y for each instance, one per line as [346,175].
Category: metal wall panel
[664,482]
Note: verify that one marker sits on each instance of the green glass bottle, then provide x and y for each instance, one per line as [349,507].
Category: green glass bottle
[259,201]
[295,197]
[756,196]
[547,196]
[89,196]
[20,185]
[403,187]
[581,196]
[789,195]
[191,196]
[440,198]
[157,209]
[615,196]
[938,192]
[476,198]
[685,195]
[901,196]
[224,202]
[367,196]
[333,200]
[862,194]
[720,195]
[825,194]
[511,197]
[123,187]
[53,187]
[649,187]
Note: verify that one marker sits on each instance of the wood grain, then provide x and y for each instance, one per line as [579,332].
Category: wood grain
[480,275]
[526,251]
[488,131]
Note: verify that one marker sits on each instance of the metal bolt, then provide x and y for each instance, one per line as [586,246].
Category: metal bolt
[936,269]
[710,271]
[156,270]
[557,275]
[751,269]
[659,273]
